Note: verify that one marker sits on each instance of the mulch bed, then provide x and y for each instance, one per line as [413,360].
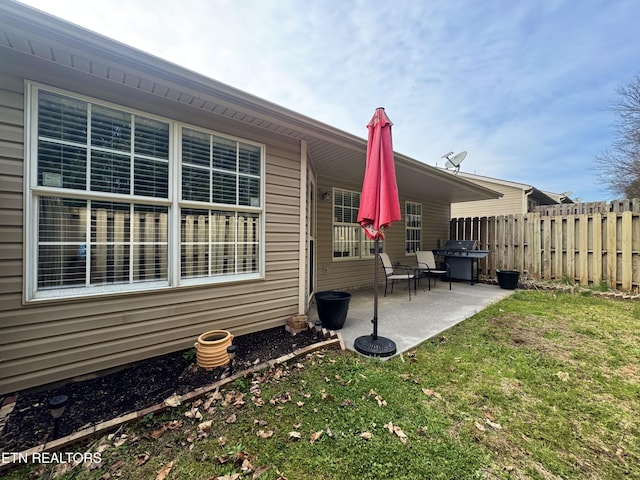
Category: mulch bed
[137,387]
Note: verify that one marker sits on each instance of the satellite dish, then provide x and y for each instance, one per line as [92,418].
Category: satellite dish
[454,161]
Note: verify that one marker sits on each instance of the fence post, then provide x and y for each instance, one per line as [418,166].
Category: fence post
[557,250]
[571,248]
[612,250]
[583,239]
[596,249]
[626,246]
[491,245]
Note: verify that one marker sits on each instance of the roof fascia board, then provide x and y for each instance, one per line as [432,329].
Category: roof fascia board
[445,176]
[506,183]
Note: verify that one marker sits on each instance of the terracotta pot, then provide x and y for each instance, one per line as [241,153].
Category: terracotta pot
[211,348]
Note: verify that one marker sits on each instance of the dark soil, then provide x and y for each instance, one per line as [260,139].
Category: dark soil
[134,388]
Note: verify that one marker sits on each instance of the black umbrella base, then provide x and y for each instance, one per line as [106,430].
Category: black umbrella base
[378,347]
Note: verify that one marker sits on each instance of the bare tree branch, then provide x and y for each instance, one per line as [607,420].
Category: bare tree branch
[619,166]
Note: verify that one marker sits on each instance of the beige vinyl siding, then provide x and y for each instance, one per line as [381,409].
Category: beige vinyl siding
[513,202]
[348,274]
[11,180]
[44,342]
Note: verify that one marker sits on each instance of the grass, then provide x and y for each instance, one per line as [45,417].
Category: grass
[541,385]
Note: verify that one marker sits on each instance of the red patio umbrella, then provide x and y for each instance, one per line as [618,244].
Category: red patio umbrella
[379,207]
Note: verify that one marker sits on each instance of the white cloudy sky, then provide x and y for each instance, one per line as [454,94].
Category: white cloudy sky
[525,86]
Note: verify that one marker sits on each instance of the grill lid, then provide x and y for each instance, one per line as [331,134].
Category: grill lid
[460,245]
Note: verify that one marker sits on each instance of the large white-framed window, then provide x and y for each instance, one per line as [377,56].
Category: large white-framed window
[221,202]
[349,239]
[413,227]
[120,200]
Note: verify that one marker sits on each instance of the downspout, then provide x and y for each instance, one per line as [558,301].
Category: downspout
[526,200]
[302,242]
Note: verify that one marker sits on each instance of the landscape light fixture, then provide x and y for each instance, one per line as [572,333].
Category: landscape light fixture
[57,406]
[231,351]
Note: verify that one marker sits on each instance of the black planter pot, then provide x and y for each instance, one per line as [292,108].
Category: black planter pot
[332,308]
[508,279]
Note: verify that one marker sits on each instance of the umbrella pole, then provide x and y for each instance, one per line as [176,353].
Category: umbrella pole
[375,291]
[373,345]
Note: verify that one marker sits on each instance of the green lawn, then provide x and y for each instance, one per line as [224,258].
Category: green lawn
[541,385]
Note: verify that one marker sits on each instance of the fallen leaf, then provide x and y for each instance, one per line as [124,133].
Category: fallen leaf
[194,412]
[379,399]
[121,441]
[164,471]
[209,401]
[216,395]
[156,434]
[102,447]
[205,425]
[173,401]
[222,441]
[326,396]
[480,427]
[142,458]
[233,476]
[259,472]
[262,434]
[280,399]
[431,393]
[247,467]
[174,424]
[564,376]
[366,435]
[300,404]
[295,435]
[395,430]
[232,418]
[316,436]
[494,425]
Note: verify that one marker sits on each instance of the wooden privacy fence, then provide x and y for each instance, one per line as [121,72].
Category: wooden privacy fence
[587,248]
[580,208]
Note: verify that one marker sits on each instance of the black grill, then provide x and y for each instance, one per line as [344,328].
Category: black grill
[462,257]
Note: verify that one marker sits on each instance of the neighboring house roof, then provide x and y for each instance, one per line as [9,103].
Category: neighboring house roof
[25,31]
[540,196]
[560,197]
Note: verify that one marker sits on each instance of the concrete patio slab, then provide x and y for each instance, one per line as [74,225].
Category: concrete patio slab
[409,323]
